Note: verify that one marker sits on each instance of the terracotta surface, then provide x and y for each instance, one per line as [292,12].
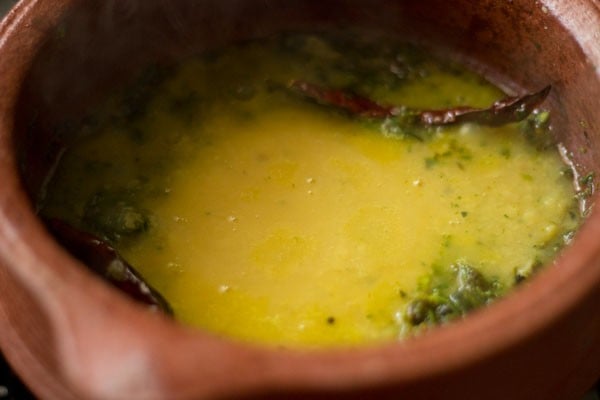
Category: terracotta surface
[71,337]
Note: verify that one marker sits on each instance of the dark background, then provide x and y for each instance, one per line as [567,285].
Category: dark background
[11,387]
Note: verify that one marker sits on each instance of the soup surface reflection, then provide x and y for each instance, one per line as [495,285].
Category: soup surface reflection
[266,217]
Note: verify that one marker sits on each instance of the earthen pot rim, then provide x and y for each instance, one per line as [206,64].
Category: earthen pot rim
[42,266]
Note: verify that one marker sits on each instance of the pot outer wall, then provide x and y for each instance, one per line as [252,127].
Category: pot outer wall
[59,58]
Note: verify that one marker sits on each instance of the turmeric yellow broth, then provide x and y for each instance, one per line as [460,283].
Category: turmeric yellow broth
[265,217]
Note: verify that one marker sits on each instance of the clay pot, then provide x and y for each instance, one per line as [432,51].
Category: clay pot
[70,336]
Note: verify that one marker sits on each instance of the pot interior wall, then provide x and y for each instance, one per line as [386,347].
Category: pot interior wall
[100,45]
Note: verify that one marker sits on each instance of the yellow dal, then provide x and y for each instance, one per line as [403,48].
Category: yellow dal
[288,224]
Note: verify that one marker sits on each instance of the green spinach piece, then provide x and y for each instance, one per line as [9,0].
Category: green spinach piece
[114,214]
[451,294]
